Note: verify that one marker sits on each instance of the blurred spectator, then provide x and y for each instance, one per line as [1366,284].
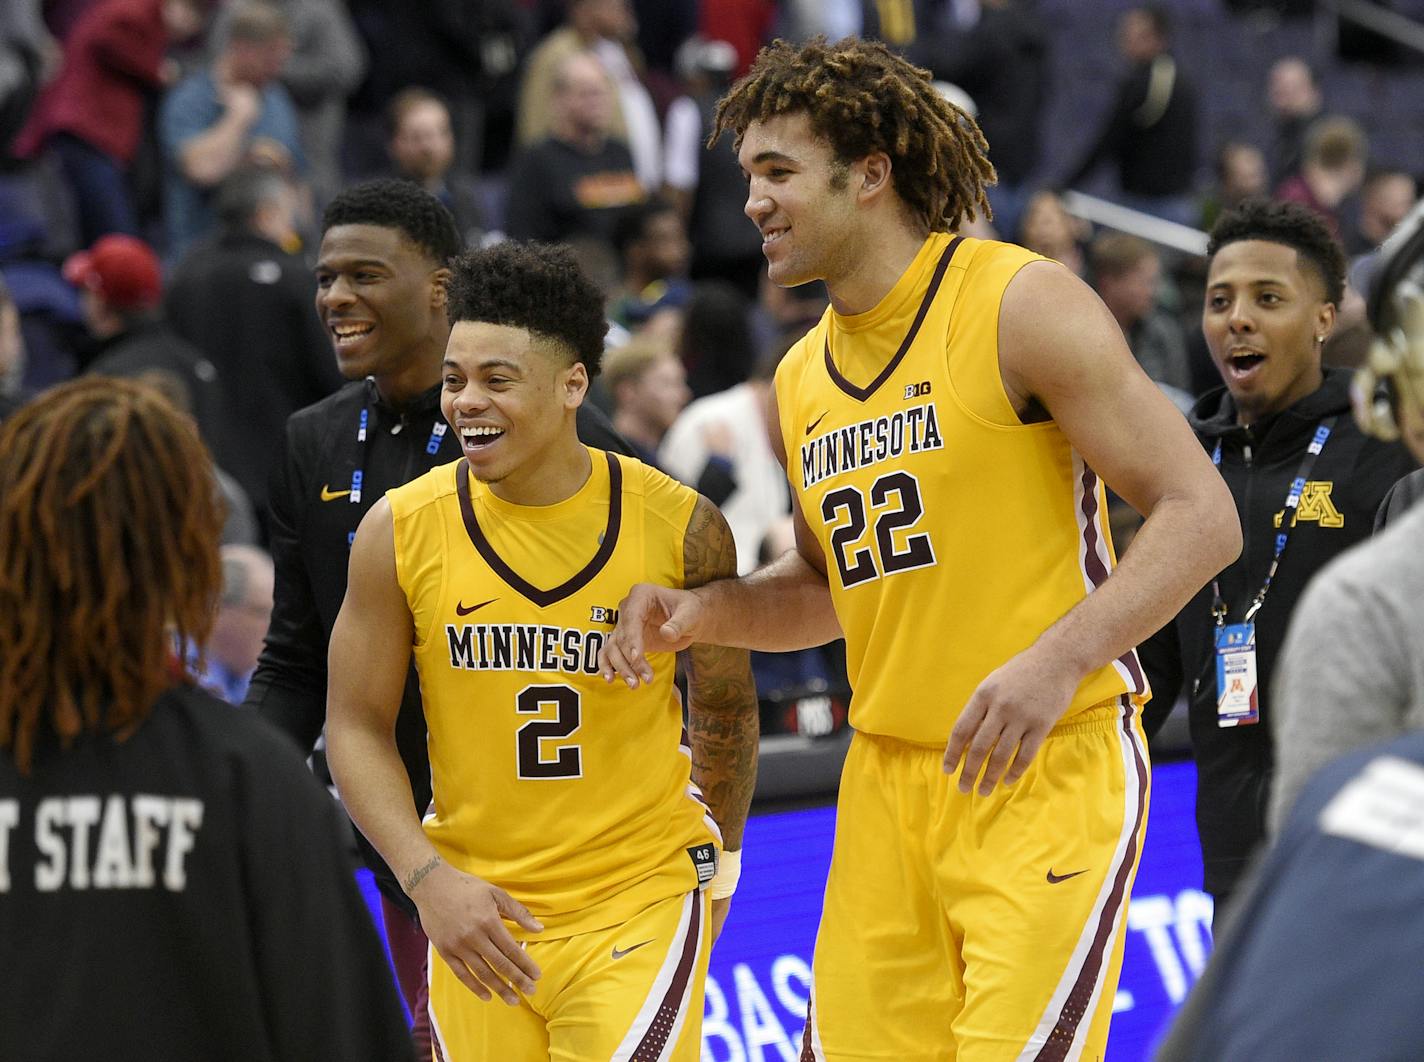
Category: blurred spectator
[717,345]
[649,389]
[92,114]
[240,623]
[732,429]
[421,146]
[663,26]
[27,57]
[232,112]
[1048,229]
[119,294]
[1002,62]
[1307,483]
[1151,131]
[605,28]
[12,355]
[1332,169]
[652,251]
[230,926]
[1240,175]
[1386,198]
[246,302]
[706,182]
[1295,104]
[576,180]
[747,24]
[326,63]
[1127,274]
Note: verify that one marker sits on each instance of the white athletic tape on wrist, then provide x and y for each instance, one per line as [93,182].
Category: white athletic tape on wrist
[729,872]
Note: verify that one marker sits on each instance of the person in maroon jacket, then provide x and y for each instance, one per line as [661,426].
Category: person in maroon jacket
[91,115]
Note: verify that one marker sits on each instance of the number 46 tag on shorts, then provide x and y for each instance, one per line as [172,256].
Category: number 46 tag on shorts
[1236,702]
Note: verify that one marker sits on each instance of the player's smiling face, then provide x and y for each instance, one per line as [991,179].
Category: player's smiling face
[378,296]
[799,197]
[510,397]
[1263,311]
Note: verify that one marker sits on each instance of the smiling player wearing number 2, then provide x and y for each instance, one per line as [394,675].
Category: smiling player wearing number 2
[967,402]
[580,852]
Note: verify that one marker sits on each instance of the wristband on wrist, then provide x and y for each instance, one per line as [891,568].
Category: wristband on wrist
[729,872]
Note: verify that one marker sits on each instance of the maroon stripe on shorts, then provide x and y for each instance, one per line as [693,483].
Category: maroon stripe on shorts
[1075,1007]
[1098,572]
[655,1039]
[808,1053]
[437,1050]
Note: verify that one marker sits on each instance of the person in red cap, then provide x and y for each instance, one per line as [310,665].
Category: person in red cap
[120,288]
[91,115]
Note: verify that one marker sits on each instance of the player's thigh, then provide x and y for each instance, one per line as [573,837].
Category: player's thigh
[463,1028]
[1039,901]
[885,977]
[638,988]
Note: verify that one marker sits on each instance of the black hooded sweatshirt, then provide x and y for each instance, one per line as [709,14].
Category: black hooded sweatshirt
[1337,510]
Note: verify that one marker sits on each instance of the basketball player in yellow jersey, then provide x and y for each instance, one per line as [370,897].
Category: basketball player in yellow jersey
[947,430]
[569,863]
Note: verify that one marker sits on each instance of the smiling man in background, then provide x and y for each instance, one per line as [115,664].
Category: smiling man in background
[1275,279]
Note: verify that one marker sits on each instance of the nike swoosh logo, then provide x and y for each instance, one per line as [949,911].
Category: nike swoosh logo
[327,494]
[461,610]
[812,426]
[1054,879]
[619,954]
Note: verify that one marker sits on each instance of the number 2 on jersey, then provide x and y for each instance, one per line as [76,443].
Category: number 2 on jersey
[844,511]
[567,761]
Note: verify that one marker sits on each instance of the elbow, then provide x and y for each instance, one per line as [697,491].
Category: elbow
[1224,524]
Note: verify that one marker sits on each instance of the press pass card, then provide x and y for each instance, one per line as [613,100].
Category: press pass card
[1236,701]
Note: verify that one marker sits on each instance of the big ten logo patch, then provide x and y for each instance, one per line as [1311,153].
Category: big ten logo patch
[915,390]
[1316,506]
[600,614]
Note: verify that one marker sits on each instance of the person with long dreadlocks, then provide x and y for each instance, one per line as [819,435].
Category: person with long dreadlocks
[173,882]
[950,424]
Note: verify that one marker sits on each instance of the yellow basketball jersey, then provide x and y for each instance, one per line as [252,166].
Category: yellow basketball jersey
[954,534]
[573,795]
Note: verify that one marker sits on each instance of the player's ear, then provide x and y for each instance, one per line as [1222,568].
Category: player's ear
[575,385]
[439,288]
[875,173]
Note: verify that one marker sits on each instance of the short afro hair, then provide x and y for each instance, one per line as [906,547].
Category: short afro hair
[1291,225]
[537,287]
[403,206]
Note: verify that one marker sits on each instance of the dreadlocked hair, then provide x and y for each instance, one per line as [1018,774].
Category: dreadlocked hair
[109,572]
[861,98]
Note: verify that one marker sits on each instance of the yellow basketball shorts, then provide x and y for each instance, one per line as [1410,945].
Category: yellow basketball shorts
[632,993]
[969,928]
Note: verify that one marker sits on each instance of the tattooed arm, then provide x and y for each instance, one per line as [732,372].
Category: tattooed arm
[722,714]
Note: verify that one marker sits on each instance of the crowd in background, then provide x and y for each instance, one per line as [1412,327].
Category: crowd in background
[163,164]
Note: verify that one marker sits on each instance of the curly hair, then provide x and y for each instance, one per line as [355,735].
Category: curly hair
[401,205]
[109,572]
[861,98]
[537,287]
[1292,225]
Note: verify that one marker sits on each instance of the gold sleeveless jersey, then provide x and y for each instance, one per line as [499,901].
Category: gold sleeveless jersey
[954,534]
[573,795]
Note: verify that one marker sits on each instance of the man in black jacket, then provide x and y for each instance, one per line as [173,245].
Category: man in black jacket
[380,278]
[1151,131]
[1276,276]
[245,302]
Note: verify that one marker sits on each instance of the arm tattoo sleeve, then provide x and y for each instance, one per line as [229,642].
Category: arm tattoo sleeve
[722,718]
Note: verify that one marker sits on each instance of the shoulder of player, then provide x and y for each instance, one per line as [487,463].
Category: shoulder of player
[1051,322]
[428,488]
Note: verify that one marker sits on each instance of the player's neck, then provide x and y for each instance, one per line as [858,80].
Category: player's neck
[547,478]
[872,269]
[419,371]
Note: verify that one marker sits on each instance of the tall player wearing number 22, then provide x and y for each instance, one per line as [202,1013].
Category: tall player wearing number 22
[569,861]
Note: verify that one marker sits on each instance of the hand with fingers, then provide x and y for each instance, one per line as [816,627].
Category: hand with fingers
[651,619]
[1007,719]
[464,918]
